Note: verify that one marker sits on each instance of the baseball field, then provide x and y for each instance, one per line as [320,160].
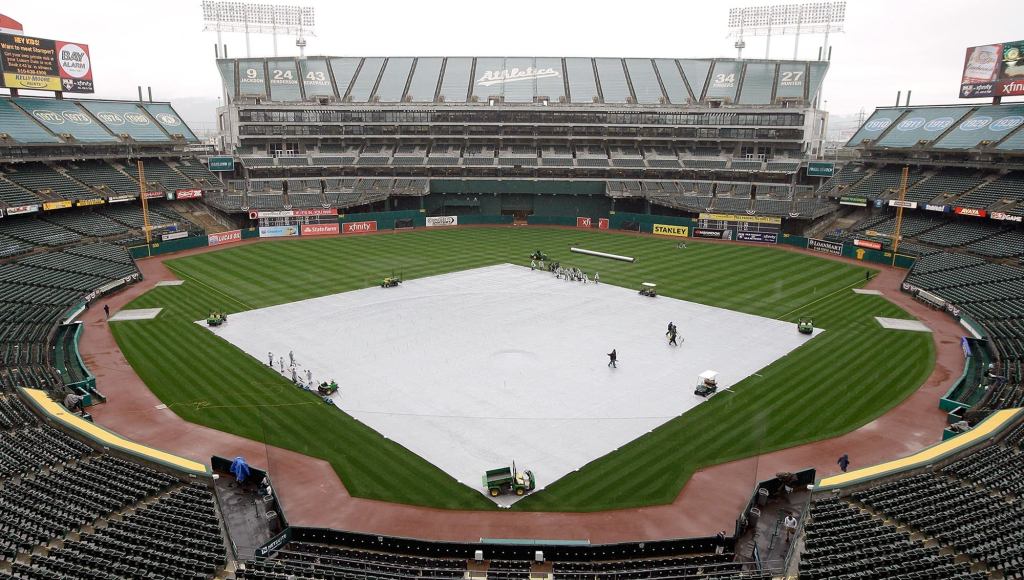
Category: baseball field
[844,378]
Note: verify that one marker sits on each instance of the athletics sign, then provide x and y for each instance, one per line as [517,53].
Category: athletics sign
[500,77]
[668,230]
[45,65]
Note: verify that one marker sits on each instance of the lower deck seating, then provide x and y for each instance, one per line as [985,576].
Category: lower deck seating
[961,520]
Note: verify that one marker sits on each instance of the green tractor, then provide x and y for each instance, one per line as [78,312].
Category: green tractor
[507,480]
[805,325]
[216,319]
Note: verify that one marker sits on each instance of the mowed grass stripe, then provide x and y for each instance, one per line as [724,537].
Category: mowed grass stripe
[822,389]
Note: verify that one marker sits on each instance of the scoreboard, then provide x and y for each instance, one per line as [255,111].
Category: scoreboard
[743,228]
[296,222]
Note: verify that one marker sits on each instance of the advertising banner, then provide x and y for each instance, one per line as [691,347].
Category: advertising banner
[856,201]
[1,212]
[930,207]
[442,220]
[905,204]
[43,64]
[20,209]
[314,211]
[1004,217]
[154,194]
[867,244]
[317,211]
[173,236]
[188,193]
[221,163]
[602,223]
[224,237]
[760,237]
[970,211]
[319,229]
[121,198]
[278,231]
[359,227]
[708,234]
[820,168]
[668,230]
[87,202]
[825,246]
[750,219]
[993,70]
[584,222]
[51,205]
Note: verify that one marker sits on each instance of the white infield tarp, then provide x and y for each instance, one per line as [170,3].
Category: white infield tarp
[475,369]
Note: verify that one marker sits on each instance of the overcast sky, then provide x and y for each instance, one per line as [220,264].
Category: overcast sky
[889,45]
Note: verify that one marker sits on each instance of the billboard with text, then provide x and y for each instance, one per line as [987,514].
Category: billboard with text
[42,64]
[218,238]
[993,70]
[319,229]
[359,227]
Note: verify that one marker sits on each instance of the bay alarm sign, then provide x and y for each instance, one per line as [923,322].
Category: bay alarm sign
[500,77]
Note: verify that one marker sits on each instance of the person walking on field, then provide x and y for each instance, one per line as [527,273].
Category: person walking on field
[280,362]
[844,462]
[612,358]
[672,337]
[106,310]
[270,359]
[291,357]
[597,277]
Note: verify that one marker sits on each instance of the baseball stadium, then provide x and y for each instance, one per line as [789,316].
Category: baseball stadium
[509,317]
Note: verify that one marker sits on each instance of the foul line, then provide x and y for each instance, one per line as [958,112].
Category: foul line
[818,300]
[201,283]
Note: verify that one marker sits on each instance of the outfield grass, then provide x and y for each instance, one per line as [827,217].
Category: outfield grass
[844,378]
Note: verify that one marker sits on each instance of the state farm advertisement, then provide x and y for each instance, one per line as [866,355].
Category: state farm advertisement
[224,237]
[359,227]
[319,230]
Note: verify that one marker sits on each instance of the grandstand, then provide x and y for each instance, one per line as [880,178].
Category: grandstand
[629,142]
[515,126]
[958,519]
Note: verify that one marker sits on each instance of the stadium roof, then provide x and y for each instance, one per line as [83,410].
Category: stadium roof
[523,80]
[47,121]
[944,128]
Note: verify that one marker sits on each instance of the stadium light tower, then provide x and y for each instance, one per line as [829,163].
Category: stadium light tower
[297,21]
[786,20]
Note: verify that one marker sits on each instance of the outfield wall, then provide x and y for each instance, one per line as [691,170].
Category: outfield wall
[582,205]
